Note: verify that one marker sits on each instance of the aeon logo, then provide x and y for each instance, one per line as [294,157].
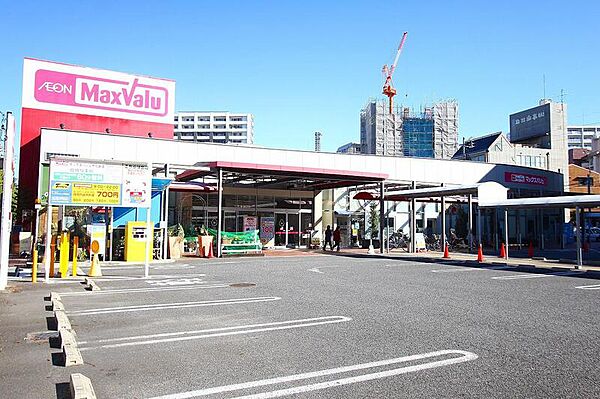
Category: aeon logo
[56,87]
[129,96]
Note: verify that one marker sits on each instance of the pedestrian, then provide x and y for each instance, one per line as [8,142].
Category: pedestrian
[337,238]
[328,234]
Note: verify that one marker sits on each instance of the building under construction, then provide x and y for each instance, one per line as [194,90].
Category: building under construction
[430,133]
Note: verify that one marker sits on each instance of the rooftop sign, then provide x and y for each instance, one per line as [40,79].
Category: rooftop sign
[67,88]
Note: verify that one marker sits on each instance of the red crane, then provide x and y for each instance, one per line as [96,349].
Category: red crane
[388,88]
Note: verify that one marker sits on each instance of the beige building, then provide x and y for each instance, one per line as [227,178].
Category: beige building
[538,139]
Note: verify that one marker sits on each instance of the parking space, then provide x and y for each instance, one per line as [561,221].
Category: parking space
[336,326]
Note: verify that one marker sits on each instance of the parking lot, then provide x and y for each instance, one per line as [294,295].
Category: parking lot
[334,327]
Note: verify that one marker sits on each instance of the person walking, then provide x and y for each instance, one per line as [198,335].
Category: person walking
[328,234]
[337,238]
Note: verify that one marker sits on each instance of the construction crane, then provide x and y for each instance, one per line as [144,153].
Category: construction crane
[388,88]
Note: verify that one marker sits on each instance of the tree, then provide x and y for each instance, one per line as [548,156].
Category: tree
[373,220]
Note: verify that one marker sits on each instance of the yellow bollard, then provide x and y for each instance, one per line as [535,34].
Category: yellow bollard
[64,255]
[34,266]
[52,256]
[75,247]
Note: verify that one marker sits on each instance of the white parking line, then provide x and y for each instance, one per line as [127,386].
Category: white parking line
[136,290]
[589,287]
[142,278]
[531,275]
[213,332]
[458,269]
[176,305]
[463,357]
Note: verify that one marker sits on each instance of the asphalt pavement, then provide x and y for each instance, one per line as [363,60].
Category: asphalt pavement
[314,327]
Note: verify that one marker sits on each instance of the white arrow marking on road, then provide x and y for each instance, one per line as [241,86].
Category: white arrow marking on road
[315,270]
[176,305]
[215,332]
[463,357]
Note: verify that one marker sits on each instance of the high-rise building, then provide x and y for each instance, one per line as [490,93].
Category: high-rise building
[432,133]
[582,136]
[214,127]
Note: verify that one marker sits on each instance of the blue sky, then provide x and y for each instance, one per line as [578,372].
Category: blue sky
[311,65]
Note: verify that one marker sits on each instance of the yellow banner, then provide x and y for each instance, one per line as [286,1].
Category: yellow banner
[101,194]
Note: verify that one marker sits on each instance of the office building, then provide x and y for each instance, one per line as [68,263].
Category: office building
[432,133]
[214,127]
[582,136]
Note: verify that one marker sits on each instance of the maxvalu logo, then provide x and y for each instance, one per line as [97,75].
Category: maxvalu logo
[92,92]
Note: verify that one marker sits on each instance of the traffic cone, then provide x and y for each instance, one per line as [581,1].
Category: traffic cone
[502,251]
[530,250]
[446,251]
[95,270]
[210,251]
[480,254]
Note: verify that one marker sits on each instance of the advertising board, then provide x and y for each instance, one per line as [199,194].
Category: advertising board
[267,229]
[74,89]
[534,122]
[80,182]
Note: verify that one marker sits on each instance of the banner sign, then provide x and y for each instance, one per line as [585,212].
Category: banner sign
[92,183]
[249,223]
[6,203]
[267,229]
[69,88]
[523,178]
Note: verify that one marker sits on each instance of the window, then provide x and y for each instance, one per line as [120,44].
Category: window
[176,118]
[527,160]
[187,126]
[203,126]
[220,126]
[203,118]
[238,126]
[187,119]
[176,126]
[220,119]
[238,119]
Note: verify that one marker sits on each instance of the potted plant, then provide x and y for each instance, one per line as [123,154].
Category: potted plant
[205,241]
[176,235]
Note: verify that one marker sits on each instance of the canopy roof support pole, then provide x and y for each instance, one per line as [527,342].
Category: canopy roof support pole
[219,209]
[443,235]
[165,240]
[48,244]
[413,222]
[479,226]
[506,233]
[470,228]
[382,216]
[578,233]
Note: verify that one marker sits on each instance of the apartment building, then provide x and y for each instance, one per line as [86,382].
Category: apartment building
[214,127]
[582,136]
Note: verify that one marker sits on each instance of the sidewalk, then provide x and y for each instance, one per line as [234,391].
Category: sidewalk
[433,256]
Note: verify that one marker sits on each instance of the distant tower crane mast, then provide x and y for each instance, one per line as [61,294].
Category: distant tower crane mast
[388,88]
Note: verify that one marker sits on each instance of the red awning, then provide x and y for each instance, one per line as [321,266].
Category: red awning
[192,186]
[365,195]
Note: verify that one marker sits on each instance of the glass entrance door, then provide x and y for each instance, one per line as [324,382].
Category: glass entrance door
[293,230]
[280,229]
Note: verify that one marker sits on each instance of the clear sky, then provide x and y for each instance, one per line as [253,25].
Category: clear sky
[301,66]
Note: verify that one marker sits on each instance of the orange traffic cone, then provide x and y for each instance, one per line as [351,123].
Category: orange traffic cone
[210,252]
[446,252]
[480,254]
[502,251]
[530,250]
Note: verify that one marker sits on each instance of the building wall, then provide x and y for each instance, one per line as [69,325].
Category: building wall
[445,135]
[380,133]
[582,136]
[577,180]
[214,127]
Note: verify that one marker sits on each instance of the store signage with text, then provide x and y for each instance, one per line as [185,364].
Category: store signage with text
[523,178]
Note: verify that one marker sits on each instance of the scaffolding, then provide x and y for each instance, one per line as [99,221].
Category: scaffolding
[381,133]
[445,130]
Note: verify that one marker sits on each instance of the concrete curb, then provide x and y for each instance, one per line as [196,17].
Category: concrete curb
[54,296]
[91,285]
[81,387]
[69,346]
[57,305]
[62,321]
